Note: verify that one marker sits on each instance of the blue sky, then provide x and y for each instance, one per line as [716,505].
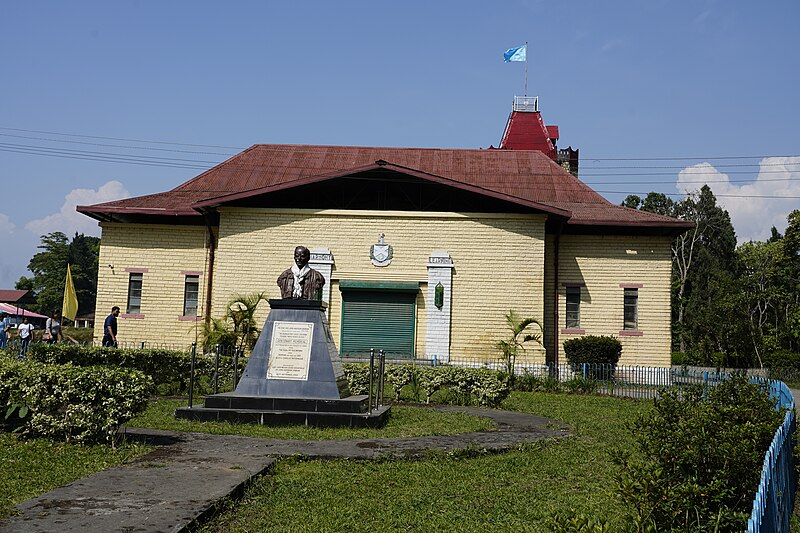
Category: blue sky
[709,88]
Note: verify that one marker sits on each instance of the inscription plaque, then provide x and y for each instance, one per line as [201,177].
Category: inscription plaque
[290,350]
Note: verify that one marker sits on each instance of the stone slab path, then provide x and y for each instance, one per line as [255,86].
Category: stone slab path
[182,481]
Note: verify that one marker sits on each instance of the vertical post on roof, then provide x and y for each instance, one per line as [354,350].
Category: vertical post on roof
[526,68]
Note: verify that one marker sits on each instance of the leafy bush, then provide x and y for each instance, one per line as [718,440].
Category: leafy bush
[466,385]
[165,367]
[600,353]
[699,459]
[76,404]
[784,359]
[357,375]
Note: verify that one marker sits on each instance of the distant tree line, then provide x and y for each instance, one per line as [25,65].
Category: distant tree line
[731,306]
[49,268]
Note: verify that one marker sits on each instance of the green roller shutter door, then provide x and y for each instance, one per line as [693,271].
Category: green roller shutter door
[383,320]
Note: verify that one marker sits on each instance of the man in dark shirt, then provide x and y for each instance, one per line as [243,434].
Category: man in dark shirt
[110,328]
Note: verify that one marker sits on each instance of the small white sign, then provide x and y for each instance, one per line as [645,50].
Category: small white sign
[290,350]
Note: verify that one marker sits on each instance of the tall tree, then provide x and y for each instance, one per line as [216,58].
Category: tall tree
[49,268]
[700,255]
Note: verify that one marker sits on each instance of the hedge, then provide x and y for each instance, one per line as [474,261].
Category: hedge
[481,386]
[164,366]
[67,402]
[598,351]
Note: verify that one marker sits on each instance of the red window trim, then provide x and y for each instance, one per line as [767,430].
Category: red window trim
[631,285]
[189,318]
[132,315]
[191,273]
[631,333]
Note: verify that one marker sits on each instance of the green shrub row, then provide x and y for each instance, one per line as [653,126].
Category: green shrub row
[67,402]
[166,367]
[468,386]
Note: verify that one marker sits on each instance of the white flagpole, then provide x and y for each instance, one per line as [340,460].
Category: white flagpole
[526,68]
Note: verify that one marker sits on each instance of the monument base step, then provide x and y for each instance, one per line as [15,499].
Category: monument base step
[272,417]
[232,400]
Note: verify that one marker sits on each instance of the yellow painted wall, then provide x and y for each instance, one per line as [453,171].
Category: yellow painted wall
[499,265]
[166,252]
[498,262]
[602,263]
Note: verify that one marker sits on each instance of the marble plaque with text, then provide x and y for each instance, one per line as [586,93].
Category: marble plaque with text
[290,350]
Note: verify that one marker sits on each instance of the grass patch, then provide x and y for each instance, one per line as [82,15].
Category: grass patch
[33,467]
[405,421]
[516,491]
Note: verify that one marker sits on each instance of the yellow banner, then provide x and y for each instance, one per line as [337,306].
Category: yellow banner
[69,308]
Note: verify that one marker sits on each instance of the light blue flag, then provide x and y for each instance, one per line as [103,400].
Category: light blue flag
[516,54]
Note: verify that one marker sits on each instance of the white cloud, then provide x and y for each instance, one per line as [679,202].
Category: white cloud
[6,226]
[69,221]
[752,215]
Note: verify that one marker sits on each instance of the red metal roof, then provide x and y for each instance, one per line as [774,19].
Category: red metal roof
[552,132]
[12,295]
[523,177]
[15,310]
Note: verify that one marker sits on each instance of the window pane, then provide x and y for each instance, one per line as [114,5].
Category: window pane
[573,307]
[631,304]
[191,291]
[134,294]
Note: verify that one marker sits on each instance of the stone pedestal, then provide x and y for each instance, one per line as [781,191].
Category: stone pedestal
[294,376]
[287,364]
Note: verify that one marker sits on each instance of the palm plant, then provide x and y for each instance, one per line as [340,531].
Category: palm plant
[519,334]
[241,311]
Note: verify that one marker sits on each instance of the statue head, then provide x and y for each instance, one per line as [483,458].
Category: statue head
[301,256]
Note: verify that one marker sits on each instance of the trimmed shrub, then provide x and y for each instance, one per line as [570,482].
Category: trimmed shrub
[600,353]
[165,367]
[66,402]
[466,386]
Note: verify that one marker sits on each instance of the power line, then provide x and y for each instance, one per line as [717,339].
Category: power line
[121,139]
[115,145]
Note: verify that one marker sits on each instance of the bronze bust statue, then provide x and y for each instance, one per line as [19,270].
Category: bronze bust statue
[301,282]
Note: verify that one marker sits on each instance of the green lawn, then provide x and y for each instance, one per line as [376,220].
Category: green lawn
[32,467]
[517,491]
[405,421]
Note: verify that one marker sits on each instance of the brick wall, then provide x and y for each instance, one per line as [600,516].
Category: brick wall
[164,254]
[602,266]
[498,262]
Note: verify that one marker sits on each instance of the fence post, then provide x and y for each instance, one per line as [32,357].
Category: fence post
[191,374]
[381,369]
[236,367]
[216,369]
[142,346]
[371,372]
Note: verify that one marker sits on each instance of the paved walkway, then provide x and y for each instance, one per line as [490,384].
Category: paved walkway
[183,479]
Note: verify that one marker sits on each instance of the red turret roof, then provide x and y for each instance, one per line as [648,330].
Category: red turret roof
[525,130]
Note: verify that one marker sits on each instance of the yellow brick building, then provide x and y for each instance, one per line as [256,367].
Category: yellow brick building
[423,250]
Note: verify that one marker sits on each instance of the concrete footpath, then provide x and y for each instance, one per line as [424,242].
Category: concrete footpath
[182,481]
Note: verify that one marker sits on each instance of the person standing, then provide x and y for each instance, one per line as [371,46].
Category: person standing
[25,331]
[52,329]
[110,328]
[5,329]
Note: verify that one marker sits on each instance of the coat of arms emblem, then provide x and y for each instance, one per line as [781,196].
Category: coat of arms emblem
[380,253]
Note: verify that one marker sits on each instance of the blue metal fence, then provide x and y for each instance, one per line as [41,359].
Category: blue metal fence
[774,501]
